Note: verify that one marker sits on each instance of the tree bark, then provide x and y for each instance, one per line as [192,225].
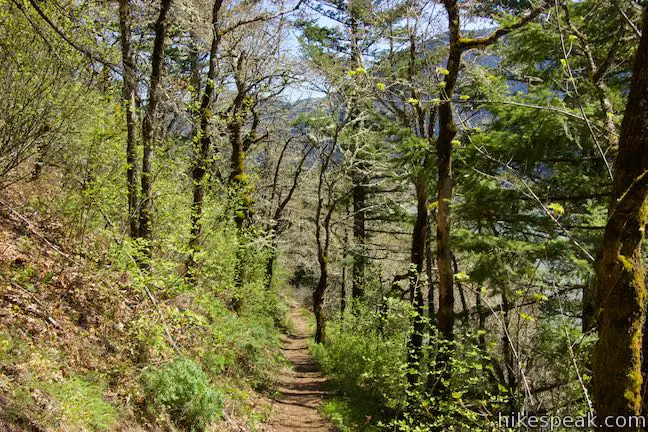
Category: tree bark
[359,189]
[202,151]
[148,133]
[447,132]
[130,97]
[269,271]
[318,299]
[323,241]
[359,237]
[239,112]
[343,293]
[417,259]
[238,179]
[621,290]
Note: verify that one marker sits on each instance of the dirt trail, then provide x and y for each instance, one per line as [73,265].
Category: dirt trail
[301,389]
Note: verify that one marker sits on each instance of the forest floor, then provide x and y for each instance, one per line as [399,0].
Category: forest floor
[302,389]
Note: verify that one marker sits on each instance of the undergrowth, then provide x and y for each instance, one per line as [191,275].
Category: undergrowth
[91,343]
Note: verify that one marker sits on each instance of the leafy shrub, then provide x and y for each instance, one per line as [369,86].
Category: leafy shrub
[184,390]
[358,360]
[370,368]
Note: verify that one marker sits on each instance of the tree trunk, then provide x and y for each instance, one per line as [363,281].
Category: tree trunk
[343,293]
[417,259]
[202,152]
[237,177]
[239,181]
[323,241]
[508,354]
[318,300]
[429,272]
[358,180]
[447,132]
[359,237]
[148,132]
[269,271]
[130,97]
[429,257]
[619,269]
[343,290]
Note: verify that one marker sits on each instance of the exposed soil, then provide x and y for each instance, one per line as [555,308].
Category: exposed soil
[301,389]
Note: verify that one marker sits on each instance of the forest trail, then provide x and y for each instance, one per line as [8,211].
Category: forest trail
[301,389]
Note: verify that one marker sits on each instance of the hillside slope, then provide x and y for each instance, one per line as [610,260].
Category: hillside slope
[85,347]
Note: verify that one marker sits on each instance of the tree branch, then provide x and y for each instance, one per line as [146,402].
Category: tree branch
[81,49]
[479,42]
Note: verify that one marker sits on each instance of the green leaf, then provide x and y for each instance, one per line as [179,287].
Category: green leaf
[539,297]
[526,317]
[556,208]
[461,276]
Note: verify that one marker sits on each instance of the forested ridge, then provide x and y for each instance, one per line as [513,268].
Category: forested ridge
[352,215]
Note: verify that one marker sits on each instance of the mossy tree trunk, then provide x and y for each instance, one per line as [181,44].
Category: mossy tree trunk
[323,215]
[148,133]
[359,236]
[447,132]
[202,142]
[358,178]
[130,98]
[444,148]
[621,290]
[238,180]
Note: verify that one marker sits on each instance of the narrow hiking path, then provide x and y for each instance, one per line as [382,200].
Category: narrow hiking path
[301,389]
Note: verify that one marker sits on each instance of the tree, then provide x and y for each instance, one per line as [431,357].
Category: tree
[447,131]
[280,198]
[42,98]
[130,99]
[149,125]
[339,52]
[326,205]
[621,290]
[203,139]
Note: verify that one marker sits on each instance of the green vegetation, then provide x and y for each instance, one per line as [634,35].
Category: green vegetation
[452,195]
[184,390]
[82,403]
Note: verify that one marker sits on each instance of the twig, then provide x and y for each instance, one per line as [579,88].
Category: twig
[578,96]
[164,324]
[33,230]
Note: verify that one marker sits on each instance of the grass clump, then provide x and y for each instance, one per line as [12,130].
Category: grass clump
[81,403]
[184,390]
